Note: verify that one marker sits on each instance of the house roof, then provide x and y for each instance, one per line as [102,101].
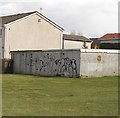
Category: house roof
[110,36]
[11,18]
[71,37]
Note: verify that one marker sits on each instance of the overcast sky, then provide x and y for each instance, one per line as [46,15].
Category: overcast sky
[92,18]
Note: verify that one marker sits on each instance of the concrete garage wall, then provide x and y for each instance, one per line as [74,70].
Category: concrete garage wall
[99,63]
[48,63]
[68,63]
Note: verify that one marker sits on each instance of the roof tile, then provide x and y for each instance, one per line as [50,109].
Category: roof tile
[111,36]
[11,18]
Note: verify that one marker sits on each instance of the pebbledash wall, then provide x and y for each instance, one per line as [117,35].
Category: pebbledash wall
[67,63]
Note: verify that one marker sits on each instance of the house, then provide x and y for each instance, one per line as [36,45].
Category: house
[110,41]
[29,31]
[75,41]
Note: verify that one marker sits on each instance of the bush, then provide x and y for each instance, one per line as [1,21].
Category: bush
[7,66]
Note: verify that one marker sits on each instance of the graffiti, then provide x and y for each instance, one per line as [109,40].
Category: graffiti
[47,63]
[66,66]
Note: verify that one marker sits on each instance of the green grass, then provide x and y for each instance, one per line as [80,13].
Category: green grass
[26,95]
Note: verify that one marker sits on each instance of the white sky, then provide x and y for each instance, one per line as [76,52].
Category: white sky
[92,18]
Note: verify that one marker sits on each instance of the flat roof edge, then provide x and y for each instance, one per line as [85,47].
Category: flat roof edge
[46,50]
[81,50]
[99,51]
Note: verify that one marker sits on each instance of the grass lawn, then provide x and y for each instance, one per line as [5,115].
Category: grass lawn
[26,95]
